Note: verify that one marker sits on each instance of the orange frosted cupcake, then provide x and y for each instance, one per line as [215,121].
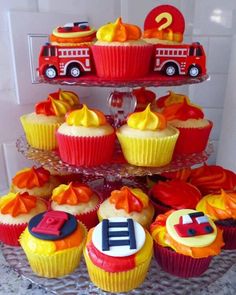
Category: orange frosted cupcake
[146,139]
[194,129]
[222,209]
[36,181]
[130,203]
[41,125]
[53,243]
[119,52]
[77,199]
[16,209]
[86,138]
[185,241]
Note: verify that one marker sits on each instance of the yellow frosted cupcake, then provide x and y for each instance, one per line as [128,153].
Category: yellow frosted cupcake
[130,203]
[53,243]
[86,138]
[118,252]
[40,126]
[16,209]
[36,181]
[146,139]
[77,199]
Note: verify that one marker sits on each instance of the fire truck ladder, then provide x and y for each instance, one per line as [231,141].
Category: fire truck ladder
[106,234]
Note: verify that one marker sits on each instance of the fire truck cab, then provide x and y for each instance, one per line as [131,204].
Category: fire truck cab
[57,61]
[183,59]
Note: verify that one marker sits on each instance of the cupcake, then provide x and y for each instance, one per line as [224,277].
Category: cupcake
[143,97]
[146,139]
[36,181]
[77,199]
[16,209]
[174,194]
[212,178]
[40,126]
[185,241]
[194,130]
[169,99]
[86,139]
[117,253]
[222,209]
[73,34]
[130,203]
[53,243]
[119,52]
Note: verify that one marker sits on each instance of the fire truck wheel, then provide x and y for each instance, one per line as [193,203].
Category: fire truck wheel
[194,71]
[50,72]
[74,71]
[171,69]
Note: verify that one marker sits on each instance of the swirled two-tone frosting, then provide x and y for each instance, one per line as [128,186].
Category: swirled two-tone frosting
[118,31]
[74,198]
[212,178]
[57,103]
[129,199]
[165,35]
[181,174]
[176,194]
[171,98]
[31,177]
[219,206]
[164,233]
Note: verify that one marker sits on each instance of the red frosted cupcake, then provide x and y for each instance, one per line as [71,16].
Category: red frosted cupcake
[119,52]
[86,139]
[143,97]
[37,182]
[212,178]
[15,212]
[185,241]
[77,199]
[174,194]
[194,129]
[222,209]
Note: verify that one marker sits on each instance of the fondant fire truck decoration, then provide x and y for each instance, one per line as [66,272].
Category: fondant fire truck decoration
[170,57]
[193,224]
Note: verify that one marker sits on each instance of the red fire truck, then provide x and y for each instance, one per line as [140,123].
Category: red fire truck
[56,61]
[183,59]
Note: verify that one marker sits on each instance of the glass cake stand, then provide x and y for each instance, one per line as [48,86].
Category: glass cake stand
[156,282]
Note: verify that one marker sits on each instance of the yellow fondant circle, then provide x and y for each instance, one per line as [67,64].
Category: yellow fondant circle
[198,241]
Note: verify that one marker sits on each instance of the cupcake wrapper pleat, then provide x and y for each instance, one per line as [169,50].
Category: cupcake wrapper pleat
[229,237]
[41,136]
[10,233]
[86,151]
[178,264]
[122,62]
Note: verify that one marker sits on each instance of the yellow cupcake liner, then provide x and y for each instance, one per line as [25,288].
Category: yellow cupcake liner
[39,135]
[152,152]
[119,281]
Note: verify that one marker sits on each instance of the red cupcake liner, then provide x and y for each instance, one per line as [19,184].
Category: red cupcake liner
[229,236]
[192,140]
[10,233]
[86,151]
[122,62]
[178,264]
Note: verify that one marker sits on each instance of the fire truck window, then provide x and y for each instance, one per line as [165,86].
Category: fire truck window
[175,52]
[45,51]
[52,51]
[161,52]
[74,52]
[191,51]
[198,51]
[166,52]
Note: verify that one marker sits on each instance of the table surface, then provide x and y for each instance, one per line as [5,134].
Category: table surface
[12,283]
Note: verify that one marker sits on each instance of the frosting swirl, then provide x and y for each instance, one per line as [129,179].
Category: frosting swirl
[165,34]
[16,204]
[129,199]
[118,31]
[57,103]
[182,111]
[219,206]
[72,194]
[86,117]
[146,120]
[171,98]
[31,177]
[176,193]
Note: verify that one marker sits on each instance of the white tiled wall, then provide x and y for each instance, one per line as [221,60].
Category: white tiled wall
[211,22]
